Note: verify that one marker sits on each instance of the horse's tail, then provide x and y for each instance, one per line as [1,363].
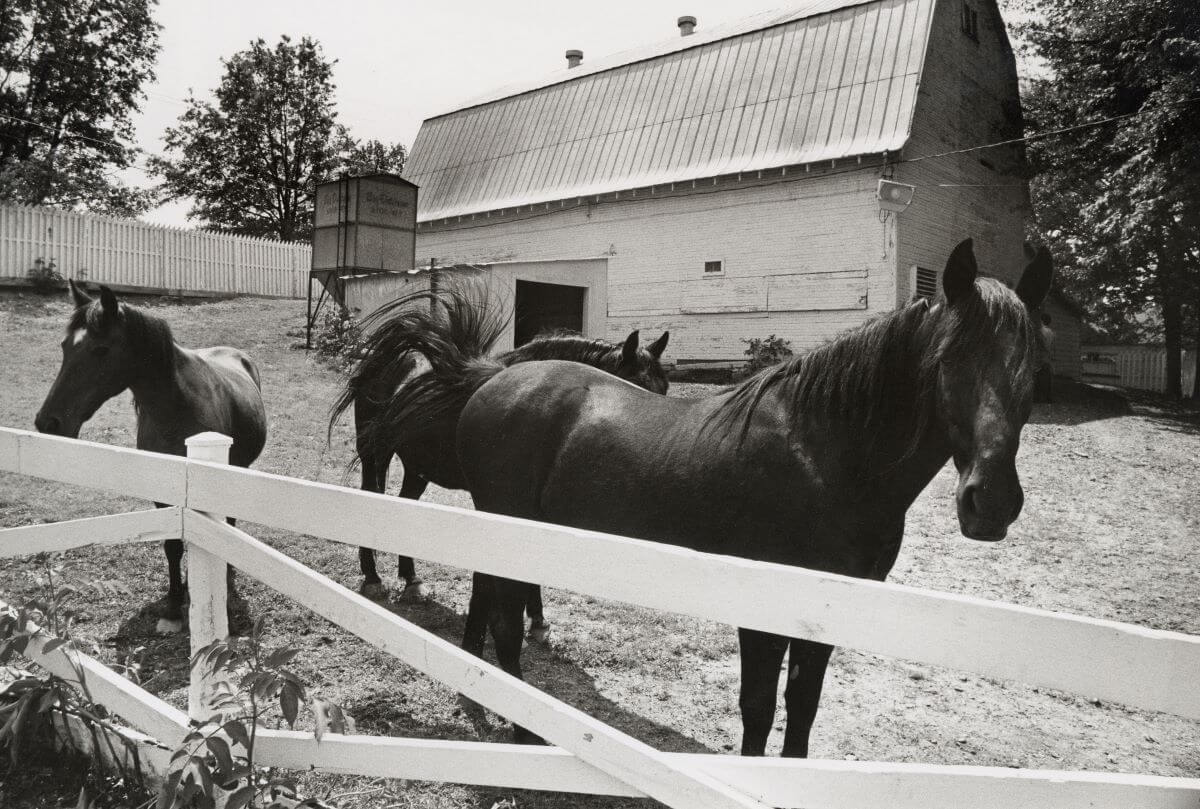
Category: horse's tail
[452,328]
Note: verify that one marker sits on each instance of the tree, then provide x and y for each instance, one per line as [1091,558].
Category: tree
[372,157]
[251,160]
[71,73]
[1120,200]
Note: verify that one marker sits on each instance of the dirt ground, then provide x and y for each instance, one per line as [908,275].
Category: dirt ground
[1109,530]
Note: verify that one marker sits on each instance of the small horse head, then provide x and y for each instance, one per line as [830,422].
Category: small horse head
[641,366]
[991,346]
[101,358]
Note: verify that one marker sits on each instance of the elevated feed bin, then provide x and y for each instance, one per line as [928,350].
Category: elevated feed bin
[361,225]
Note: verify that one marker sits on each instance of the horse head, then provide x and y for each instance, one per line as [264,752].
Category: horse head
[991,344]
[98,363]
[642,366]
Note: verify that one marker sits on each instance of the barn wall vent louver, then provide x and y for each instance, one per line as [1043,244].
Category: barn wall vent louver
[924,283]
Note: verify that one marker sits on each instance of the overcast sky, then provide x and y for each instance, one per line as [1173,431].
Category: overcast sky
[399,61]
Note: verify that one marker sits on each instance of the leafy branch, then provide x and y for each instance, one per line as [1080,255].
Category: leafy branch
[34,709]
[247,681]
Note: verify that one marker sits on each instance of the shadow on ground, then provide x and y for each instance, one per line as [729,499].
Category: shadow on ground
[542,667]
[1170,414]
[1077,403]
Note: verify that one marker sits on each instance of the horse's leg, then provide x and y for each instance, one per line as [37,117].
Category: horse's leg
[235,606]
[806,674]
[539,627]
[374,479]
[480,608]
[761,654]
[507,622]
[412,487]
[172,618]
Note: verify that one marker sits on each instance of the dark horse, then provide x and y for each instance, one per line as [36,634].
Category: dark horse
[453,329]
[811,463]
[177,392]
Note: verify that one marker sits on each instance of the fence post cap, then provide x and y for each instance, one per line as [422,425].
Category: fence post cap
[209,439]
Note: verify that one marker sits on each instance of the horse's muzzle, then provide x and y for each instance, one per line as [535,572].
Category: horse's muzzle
[984,514]
[53,425]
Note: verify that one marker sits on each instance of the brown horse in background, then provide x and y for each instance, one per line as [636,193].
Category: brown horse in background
[178,392]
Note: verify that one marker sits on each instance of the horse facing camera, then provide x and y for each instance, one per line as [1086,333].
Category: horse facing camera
[894,196]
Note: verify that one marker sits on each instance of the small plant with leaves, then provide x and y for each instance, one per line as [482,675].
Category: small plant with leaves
[45,277]
[35,709]
[339,340]
[765,352]
[217,756]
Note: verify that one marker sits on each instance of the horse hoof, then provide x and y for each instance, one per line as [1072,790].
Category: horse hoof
[374,591]
[416,591]
[169,626]
[539,633]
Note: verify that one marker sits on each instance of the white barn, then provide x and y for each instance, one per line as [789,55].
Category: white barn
[729,176]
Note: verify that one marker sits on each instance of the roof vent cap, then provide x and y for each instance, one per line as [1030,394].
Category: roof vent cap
[687,25]
[574,57]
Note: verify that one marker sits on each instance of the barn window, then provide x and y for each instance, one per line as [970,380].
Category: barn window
[924,283]
[714,268]
[970,21]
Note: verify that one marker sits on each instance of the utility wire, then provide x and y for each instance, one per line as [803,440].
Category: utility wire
[1055,132]
[853,169]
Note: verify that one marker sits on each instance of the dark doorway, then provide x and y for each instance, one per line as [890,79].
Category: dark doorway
[547,307]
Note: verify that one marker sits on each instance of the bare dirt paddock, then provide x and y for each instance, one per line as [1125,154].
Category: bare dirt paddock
[1110,529]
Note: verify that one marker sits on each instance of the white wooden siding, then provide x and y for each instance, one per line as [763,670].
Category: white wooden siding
[125,252]
[783,245]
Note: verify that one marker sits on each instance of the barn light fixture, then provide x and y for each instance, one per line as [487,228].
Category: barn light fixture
[894,196]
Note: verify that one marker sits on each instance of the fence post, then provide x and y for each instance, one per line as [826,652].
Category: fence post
[207,586]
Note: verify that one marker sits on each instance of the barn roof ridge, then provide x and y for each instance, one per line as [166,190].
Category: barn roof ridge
[759,21]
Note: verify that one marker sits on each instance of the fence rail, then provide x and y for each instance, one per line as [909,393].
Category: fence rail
[1141,667]
[128,253]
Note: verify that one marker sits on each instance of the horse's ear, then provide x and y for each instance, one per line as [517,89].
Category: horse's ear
[108,300]
[78,296]
[629,351]
[959,278]
[1035,281]
[657,348]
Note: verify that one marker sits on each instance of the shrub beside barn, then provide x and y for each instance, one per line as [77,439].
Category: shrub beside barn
[730,176]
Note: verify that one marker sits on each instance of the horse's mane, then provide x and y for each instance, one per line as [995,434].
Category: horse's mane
[567,346]
[149,337]
[887,368]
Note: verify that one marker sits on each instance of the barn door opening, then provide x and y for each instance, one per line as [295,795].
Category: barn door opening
[547,307]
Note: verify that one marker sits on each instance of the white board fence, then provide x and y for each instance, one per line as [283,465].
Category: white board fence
[1138,666]
[137,255]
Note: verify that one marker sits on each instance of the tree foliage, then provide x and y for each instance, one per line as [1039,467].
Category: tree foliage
[71,73]
[250,159]
[1120,202]
[372,157]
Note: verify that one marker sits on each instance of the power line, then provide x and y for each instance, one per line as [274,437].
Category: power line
[1055,132]
[852,169]
[139,153]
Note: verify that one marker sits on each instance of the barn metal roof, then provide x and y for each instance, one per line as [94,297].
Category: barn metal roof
[824,80]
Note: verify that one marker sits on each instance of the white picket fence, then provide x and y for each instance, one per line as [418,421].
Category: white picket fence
[1143,367]
[138,255]
[1140,667]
